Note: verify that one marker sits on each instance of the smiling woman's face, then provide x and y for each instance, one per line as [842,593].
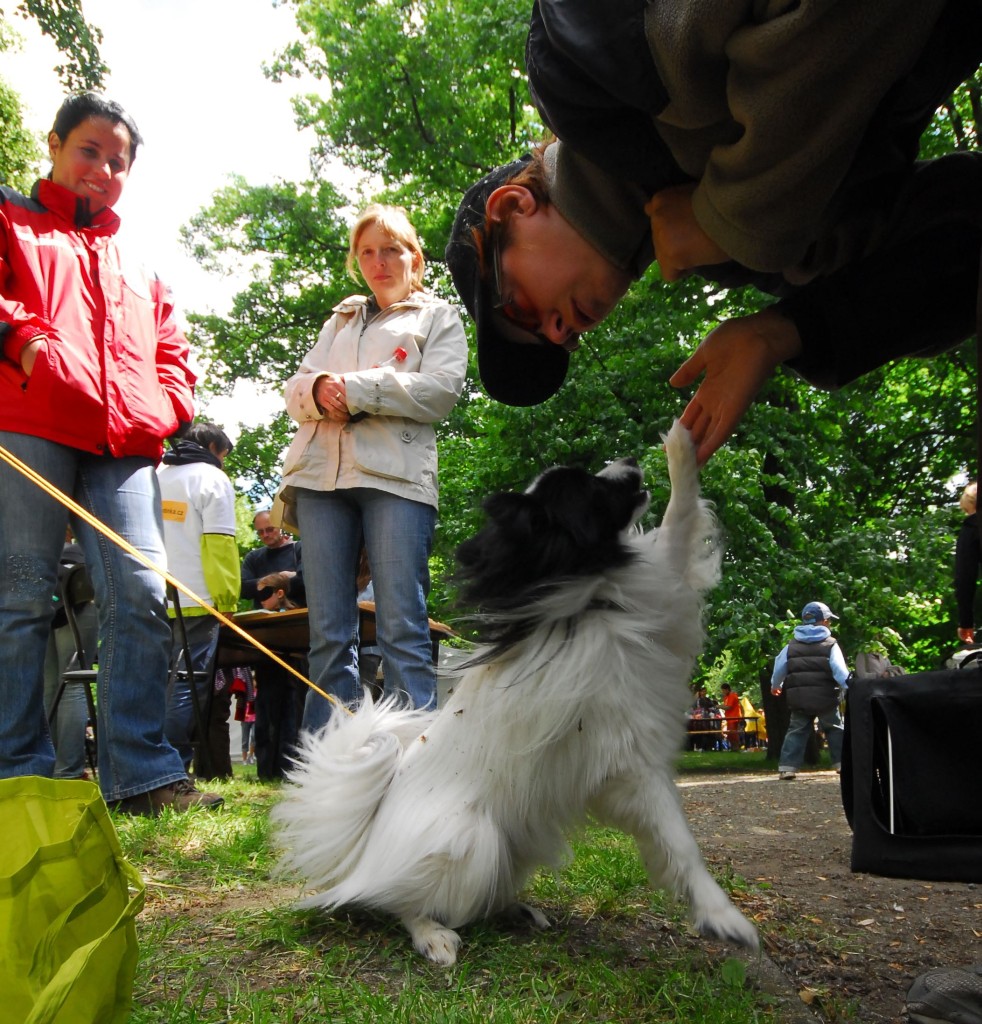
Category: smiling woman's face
[553,282]
[92,161]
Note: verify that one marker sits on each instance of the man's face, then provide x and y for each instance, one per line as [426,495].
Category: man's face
[271,536]
[553,283]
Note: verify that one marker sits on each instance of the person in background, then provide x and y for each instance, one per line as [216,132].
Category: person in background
[279,694]
[242,686]
[775,147]
[198,503]
[362,469]
[732,716]
[705,722]
[968,555]
[274,595]
[278,699]
[279,553]
[751,722]
[812,672]
[93,378]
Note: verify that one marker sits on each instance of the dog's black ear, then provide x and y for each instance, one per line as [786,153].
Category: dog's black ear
[514,513]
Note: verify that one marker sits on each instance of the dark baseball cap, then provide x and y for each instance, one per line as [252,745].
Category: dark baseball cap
[517,366]
[816,611]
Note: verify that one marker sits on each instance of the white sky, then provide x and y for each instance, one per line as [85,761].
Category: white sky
[190,73]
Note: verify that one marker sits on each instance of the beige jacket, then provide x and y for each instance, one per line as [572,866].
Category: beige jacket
[391,444]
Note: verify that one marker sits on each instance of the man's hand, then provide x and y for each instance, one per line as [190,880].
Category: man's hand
[736,358]
[967,636]
[680,244]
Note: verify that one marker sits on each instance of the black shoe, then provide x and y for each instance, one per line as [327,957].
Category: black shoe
[180,796]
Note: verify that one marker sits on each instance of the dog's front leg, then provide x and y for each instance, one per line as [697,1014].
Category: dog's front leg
[435,941]
[650,810]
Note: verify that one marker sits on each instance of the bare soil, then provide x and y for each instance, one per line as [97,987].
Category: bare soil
[792,843]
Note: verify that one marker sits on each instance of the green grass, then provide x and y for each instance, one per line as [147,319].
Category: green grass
[726,762]
[220,940]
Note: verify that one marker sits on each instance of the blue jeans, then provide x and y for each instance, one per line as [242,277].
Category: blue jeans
[134,634]
[799,729]
[179,726]
[398,536]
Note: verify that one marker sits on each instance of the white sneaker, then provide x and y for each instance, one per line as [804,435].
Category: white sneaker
[786,776]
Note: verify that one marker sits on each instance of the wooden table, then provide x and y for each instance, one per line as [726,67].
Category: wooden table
[287,634]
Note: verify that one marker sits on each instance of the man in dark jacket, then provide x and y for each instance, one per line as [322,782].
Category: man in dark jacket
[752,144]
[813,673]
[279,702]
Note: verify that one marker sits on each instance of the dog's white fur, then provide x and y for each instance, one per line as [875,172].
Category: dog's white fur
[441,817]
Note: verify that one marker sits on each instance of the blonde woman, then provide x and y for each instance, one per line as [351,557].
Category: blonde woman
[362,469]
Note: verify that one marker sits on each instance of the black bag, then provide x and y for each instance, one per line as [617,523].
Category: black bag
[910,779]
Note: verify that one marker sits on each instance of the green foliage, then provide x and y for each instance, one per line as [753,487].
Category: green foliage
[427,94]
[846,497]
[20,152]
[64,22]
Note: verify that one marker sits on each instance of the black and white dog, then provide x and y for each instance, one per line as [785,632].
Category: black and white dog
[573,709]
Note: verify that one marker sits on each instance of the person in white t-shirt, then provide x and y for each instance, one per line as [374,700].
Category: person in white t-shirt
[198,504]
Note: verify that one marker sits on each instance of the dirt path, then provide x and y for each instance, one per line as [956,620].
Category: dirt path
[793,841]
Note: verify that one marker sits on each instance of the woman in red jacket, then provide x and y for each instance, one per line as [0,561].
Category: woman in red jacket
[93,378]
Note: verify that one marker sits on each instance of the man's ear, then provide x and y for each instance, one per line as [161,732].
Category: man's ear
[510,200]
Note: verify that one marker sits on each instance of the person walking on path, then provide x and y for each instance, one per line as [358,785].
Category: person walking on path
[812,671]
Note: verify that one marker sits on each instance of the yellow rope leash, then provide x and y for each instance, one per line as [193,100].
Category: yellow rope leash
[97,524]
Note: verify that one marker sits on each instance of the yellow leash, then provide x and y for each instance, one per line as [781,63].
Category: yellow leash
[97,524]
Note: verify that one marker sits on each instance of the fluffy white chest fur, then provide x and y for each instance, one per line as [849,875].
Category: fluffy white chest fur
[574,710]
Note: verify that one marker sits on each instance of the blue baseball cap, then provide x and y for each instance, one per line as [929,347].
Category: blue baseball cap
[815,611]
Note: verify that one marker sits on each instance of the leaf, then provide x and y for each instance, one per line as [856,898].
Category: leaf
[733,972]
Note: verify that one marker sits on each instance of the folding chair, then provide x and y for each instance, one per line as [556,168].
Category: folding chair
[74,590]
[201,715]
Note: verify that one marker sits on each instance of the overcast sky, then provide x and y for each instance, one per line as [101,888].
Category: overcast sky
[190,73]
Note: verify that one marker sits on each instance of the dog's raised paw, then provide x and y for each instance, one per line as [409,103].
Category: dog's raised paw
[433,940]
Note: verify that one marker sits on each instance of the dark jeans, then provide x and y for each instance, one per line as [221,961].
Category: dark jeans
[277,720]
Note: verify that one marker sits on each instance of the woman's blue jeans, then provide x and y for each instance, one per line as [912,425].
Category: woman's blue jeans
[134,634]
[398,536]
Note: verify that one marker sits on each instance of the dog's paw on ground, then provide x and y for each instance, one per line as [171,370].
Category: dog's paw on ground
[522,913]
[728,925]
[434,941]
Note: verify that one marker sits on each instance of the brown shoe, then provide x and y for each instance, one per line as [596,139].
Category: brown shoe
[181,796]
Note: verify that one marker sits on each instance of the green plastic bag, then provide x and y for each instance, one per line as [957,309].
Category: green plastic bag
[68,903]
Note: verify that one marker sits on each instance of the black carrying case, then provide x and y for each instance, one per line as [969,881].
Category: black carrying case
[911,779]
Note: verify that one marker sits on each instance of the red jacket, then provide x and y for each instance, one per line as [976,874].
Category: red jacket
[112,374]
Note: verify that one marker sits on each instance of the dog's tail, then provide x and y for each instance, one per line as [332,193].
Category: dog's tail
[341,775]
[688,535]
